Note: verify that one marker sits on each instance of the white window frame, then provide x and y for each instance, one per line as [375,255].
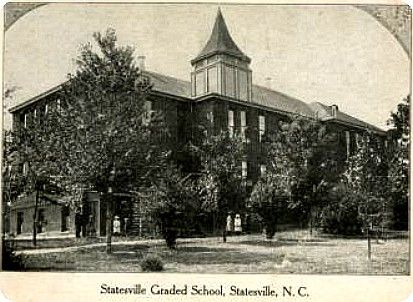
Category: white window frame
[244,170]
[58,105]
[261,127]
[231,122]
[263,170]
[243,121]
[147,114]
[210,116]
[348,141]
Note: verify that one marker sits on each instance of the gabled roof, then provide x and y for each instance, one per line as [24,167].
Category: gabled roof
[220,42]
[169,85]
[260,96]
[324,113]
[161,83]
[280,101]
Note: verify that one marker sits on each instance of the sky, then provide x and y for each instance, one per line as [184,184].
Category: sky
[330,54]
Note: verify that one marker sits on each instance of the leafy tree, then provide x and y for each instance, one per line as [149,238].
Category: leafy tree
[174,204]
[301,166]
[98,134]
[358,200]
[398,150]
[271,195]
[220,185]
[25,154]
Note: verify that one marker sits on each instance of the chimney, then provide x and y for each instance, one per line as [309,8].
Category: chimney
[334,109]
[141,62]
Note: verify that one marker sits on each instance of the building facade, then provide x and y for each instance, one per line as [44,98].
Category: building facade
[220,96]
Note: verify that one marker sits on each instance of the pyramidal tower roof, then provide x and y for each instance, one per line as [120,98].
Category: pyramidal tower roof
[220,42]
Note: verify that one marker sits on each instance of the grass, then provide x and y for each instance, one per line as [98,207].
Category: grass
[249,253]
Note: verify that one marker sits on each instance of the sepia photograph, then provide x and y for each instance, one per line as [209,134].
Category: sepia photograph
[206,138]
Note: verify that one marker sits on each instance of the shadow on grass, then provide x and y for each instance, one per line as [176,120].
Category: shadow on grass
[204,255]
[287,242]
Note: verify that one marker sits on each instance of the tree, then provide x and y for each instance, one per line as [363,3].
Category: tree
[174,203]
[302,165]
[399,163]
[359,197]
[271,195]
[100,135]
[220,184]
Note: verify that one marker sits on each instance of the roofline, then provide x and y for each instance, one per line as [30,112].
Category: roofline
[367,127]
[251,104]
[58,87]
[206,97]
[174,96]
[36,98]
[221,52]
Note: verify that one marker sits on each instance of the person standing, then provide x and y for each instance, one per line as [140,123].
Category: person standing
[78,223]
[229,224]
[116,226]
[237,224]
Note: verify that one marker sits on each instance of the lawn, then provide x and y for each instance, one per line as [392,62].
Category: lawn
[286,253]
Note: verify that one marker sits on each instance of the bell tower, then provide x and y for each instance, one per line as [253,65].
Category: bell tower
[221,67]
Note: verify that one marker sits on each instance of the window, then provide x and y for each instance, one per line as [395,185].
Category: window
[34,114]
[243,85]
[200,83]
[25,168]
[263,170]
[146,117]
[20,220]
[261,127]
[244,170]
[243,118]
[230,81]
[212,80]
[25,120]
[348,143]
[58,105]
[46,109]
[231,122]
[210,117]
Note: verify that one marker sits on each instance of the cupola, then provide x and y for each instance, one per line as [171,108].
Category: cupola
[221,67]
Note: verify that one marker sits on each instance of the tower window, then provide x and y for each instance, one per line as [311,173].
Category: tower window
[230,81]
[200,83]
[212,79]
[243,85]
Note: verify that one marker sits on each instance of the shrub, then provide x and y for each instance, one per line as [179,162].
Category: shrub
[152,263]
[11,261]
[342,215]
[170,235]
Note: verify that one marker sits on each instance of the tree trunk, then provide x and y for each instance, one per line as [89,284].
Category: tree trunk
[224,235]
[36,205]
[109,223]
